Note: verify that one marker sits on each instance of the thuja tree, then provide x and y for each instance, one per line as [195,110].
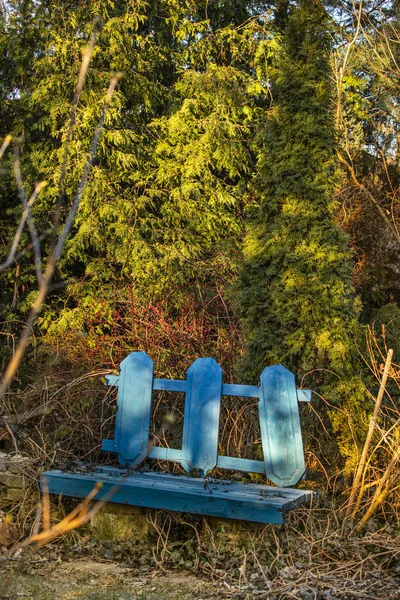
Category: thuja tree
[178,236]
[43,44]
[295,293]
[21,38]
[160,217]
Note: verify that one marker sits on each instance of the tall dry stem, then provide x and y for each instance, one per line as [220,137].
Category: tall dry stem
[372,424]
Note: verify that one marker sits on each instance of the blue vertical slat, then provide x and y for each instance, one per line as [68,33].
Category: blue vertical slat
[280,426]
[201,418]
[134,408]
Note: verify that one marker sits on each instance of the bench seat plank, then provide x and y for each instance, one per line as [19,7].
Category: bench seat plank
[234,486]
[258,503]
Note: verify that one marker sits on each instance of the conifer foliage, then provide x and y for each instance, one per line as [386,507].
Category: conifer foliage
[218,158]
[295,294]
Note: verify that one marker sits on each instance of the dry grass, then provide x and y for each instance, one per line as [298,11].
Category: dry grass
[317,555]
[377,487]
[320,553]
[59,422]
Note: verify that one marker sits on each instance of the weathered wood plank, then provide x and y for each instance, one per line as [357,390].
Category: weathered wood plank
[112,380]
[247,489]
[240,464]
[223,462]
[170,385]
[304,395]
[280,427]
[245,391]
[228,389]
[109,446]
[190,495]
[158,453]
[201,415]
[134,408]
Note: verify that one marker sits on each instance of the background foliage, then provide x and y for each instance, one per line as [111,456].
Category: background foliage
[243,203]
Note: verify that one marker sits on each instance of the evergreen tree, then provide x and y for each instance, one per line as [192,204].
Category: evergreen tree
[21,42]
[295,293]
[176,231]
[161,214]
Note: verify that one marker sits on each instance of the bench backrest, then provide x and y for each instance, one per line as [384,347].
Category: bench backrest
[278,411]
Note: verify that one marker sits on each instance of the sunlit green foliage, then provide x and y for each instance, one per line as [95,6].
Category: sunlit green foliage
[218,157]
[163,211]
[296,297]
[295,293]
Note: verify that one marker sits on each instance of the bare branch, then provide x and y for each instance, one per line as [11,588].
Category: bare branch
[87,57]
[342,69]
[86,172]
[21,226]
[351,508]
[5,145]
[27,248]
[52,261]
[31,224]
[370,197]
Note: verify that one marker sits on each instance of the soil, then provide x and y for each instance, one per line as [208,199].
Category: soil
[94,580]
[85,579]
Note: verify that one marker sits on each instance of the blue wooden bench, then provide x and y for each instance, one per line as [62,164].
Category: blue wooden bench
[283,462]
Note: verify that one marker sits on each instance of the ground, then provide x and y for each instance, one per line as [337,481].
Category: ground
[317,555]
[89,579]
[94,580]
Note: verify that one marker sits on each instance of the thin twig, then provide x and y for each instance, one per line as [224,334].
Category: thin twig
[87,57]
[52,261]
[86,172]
[370,197]
[380,492]
[5,144]
[21,226]
[31,224]
[342,69]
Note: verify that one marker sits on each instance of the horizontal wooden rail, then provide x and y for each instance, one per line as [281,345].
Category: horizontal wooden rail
[174,455]
[228,389]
